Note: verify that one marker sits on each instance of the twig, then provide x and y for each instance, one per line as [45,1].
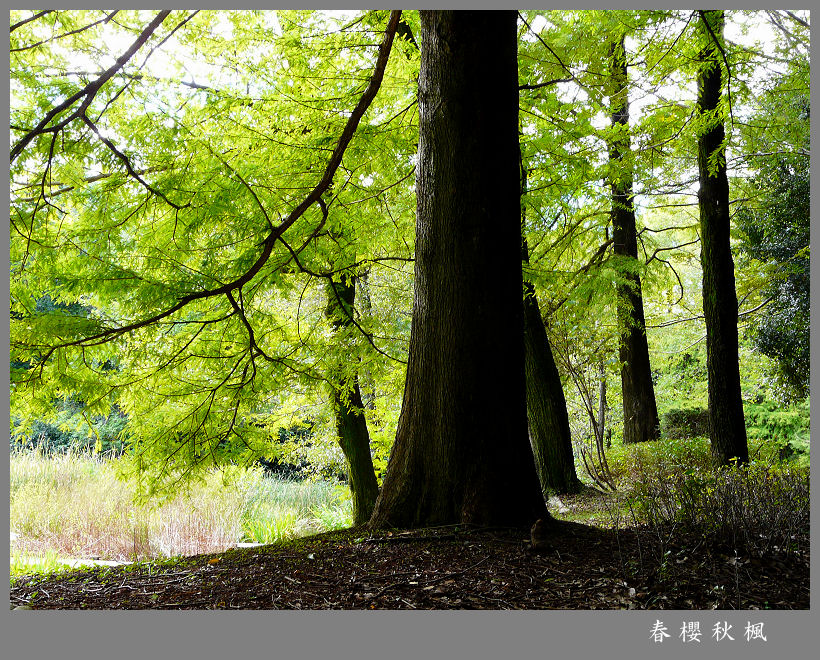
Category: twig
[461,572]
[498,600]
[410,539]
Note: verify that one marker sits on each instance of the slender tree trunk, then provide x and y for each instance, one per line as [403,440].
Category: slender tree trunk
[547,416]
[727,425]
[600,431]
[462,453]
[365,308]
[546,406]
[640,409]
[346,399]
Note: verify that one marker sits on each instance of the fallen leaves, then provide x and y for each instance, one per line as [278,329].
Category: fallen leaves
[464,570]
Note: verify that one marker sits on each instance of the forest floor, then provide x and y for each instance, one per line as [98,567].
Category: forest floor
[440,568]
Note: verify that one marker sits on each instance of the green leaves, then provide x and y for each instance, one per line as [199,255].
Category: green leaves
[214,139]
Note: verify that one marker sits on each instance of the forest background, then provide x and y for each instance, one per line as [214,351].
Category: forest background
[166,175]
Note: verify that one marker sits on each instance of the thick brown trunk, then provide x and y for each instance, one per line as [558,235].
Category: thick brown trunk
[462,453]
[640,409]
[727,426]
[346,399]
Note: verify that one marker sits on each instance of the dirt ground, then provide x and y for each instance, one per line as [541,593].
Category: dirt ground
[585,568]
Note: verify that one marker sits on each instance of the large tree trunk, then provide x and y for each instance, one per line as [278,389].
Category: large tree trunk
[346,400]
[727,426]
[640,409]
[462,453]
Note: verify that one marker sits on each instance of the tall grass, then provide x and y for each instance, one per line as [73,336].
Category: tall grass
[74,505]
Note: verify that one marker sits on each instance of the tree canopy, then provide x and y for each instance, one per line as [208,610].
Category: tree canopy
[187,187]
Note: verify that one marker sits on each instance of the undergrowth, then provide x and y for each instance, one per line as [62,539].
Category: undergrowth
[74,505]
[670,493]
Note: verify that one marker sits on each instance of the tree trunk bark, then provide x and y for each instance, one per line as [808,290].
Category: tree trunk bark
[602,406]
[346,400]
[727,425]
[640,409]
[546,406]
[462,453]
[365,308]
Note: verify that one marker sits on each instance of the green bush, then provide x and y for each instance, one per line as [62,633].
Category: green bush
[685,423]
[783,431]
[629,463]
[756,508]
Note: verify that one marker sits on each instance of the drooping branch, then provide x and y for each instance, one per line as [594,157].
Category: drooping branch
[89,179]
[349,129]
[276,232]
[88,92]
[126,161]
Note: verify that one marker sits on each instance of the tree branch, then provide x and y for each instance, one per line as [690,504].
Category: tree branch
[276,232]
[31,18]
[108,143]
[107,18]
[88,92]
[546,83]
[719,46]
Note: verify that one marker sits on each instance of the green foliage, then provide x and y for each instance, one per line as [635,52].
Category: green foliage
[276,509]
[685,422]
[755,509]
[660,458]
[44,563]
[777,437]
[71,430]
[220,161]
[776,237]
[783,431]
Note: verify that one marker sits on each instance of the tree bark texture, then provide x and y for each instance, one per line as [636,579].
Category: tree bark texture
[640,408]
[346,401]
[727,426]
[547,416]
[462,453]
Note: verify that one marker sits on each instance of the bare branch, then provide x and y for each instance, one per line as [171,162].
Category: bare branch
[673,247]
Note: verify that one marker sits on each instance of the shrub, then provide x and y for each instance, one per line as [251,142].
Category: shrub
[783,432]
[630,463]
[70,431]
[685,423]
[758,508]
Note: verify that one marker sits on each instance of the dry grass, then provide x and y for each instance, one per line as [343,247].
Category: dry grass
[76,506]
